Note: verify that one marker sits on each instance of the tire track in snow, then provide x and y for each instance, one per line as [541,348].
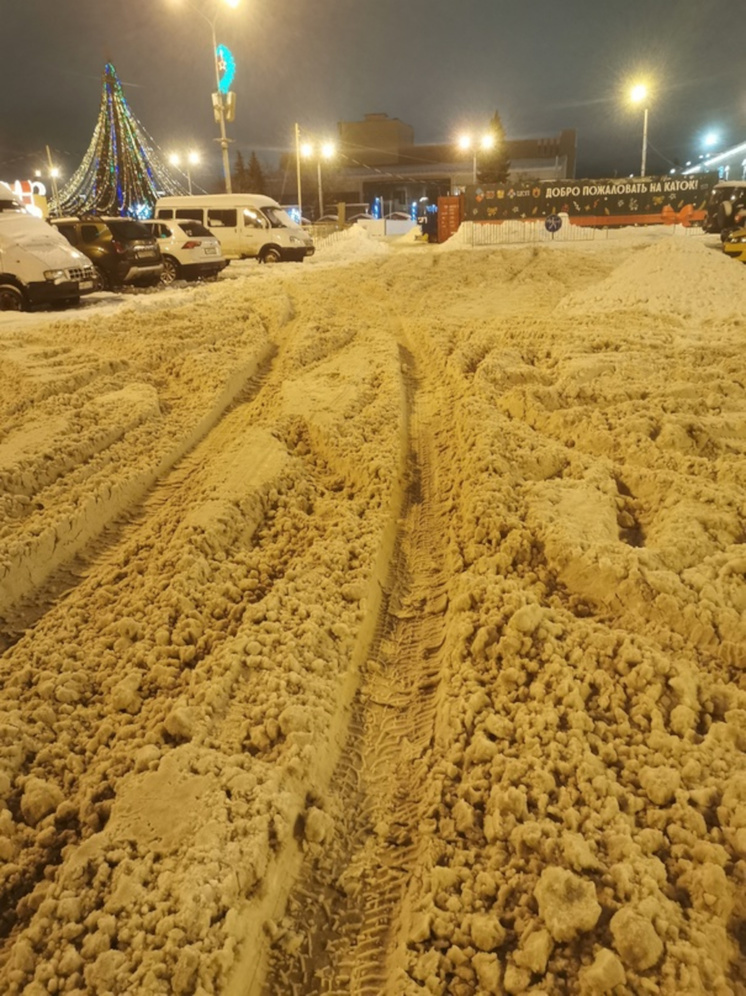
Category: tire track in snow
[89,538]
[338,937]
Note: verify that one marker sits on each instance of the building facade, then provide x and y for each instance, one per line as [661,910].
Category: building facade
[378,163]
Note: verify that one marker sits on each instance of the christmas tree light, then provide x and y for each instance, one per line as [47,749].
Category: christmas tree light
[121,173]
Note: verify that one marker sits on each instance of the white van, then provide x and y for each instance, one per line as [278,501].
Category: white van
[247,225]
[38,266]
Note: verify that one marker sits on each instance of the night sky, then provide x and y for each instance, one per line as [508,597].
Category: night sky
[442,66]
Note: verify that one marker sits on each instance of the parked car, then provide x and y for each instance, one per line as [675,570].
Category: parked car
[122,250]
[189,250]
[360,217]
[726,207]
[247,225]
[398,216]
[734,244]
[38,266]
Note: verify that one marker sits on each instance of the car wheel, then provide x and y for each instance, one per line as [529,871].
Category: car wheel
[100,280]
[170,270]
[270,255]
[11,299]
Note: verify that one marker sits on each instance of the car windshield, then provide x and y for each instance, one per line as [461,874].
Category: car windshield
[126,230]
[195,228]
[279,218]
[11,204]
[727,192]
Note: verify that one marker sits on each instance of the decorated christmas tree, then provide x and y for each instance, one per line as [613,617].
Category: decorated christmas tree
[121,174]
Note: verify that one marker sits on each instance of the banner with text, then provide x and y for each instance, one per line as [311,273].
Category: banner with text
[646,200]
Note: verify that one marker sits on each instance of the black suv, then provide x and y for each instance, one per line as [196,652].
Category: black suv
[122,250]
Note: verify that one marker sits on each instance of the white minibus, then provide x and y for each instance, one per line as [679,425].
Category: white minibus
[247,225]
[38,266]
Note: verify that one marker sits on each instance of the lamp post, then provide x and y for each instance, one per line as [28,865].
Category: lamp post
[324,150]
[53,174]
[639,95]
[192,159]
[219,97]
[467,143]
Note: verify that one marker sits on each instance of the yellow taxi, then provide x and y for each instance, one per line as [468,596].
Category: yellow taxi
[734,244]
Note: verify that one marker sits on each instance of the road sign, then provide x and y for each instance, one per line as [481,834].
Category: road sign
[553,223]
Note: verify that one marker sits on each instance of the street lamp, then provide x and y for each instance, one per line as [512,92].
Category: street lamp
[324,150]
[222,104]
[467,143]
[192,159]
[639,95]
[53,174]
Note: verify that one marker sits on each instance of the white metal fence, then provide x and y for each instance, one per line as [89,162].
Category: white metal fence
[490,233]
[475,233]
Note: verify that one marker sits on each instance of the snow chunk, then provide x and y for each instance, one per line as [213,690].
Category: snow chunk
[604,974]
[487,932]
[39,799]
[534,952]
[181,722]
[124,696]
[488,971]
[709,889]
[102,974]
[660,784]
[567,903]
[527,619]
[318,825]
[635,939]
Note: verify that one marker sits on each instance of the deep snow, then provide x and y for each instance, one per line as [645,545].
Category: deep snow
[201,498]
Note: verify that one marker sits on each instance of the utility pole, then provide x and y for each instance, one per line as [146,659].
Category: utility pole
[297,171]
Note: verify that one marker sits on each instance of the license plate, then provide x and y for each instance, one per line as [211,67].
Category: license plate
[145,253]
[85,284]
[211,250]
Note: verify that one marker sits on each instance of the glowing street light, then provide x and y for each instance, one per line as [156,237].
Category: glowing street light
[639,95]
[192,159]
[320,151]
[53,175]
[222,100]
[469,144]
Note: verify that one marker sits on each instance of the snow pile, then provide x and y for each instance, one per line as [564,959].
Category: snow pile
[412,235]
[351,244]
[673,277]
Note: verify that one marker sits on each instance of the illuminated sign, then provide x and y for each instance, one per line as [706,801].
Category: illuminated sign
[32,194]
[226,68]
[26,190]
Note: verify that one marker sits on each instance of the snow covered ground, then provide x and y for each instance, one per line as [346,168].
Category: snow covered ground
[377,624]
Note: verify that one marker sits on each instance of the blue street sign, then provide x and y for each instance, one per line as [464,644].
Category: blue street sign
[553,223]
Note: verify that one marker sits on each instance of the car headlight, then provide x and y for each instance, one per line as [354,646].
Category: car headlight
[55,276]
[294,238]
